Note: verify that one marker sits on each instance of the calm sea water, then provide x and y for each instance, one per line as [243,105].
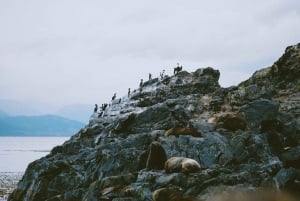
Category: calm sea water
[17,152]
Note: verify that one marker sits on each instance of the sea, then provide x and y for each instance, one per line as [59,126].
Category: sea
[17,152]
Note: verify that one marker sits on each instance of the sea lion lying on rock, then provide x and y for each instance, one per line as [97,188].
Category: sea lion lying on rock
[229,121]
[181,164]
[165,194]
[116,191]
[176,131]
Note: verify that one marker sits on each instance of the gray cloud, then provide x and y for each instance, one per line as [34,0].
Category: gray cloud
[66,52]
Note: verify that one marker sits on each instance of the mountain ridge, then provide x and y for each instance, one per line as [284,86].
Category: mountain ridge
[38,125]
[77,112]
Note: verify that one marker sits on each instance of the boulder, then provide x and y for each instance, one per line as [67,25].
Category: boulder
[291,157]
[258,110]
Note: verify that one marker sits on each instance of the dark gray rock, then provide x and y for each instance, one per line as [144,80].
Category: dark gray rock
[257,111]
[284,176]
[291,157]
[249,147]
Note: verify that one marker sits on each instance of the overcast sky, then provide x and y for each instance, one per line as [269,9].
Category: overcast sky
[69,51]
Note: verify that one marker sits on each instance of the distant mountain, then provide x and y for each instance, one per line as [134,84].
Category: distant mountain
[44,125]
[78,112]
[13,107]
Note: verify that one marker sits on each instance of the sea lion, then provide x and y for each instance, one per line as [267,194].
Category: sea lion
[230,121]
[156,157]
[181,164]
[165,194]
[176,131]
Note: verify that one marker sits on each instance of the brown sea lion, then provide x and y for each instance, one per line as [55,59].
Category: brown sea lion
[181,164]
[229,121]
[176,131]
[156,157]
[165,194]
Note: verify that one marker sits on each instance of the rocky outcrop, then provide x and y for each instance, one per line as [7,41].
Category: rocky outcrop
[245,136]
[279,82]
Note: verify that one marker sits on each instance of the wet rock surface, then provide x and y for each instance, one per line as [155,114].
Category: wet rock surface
[246,135]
